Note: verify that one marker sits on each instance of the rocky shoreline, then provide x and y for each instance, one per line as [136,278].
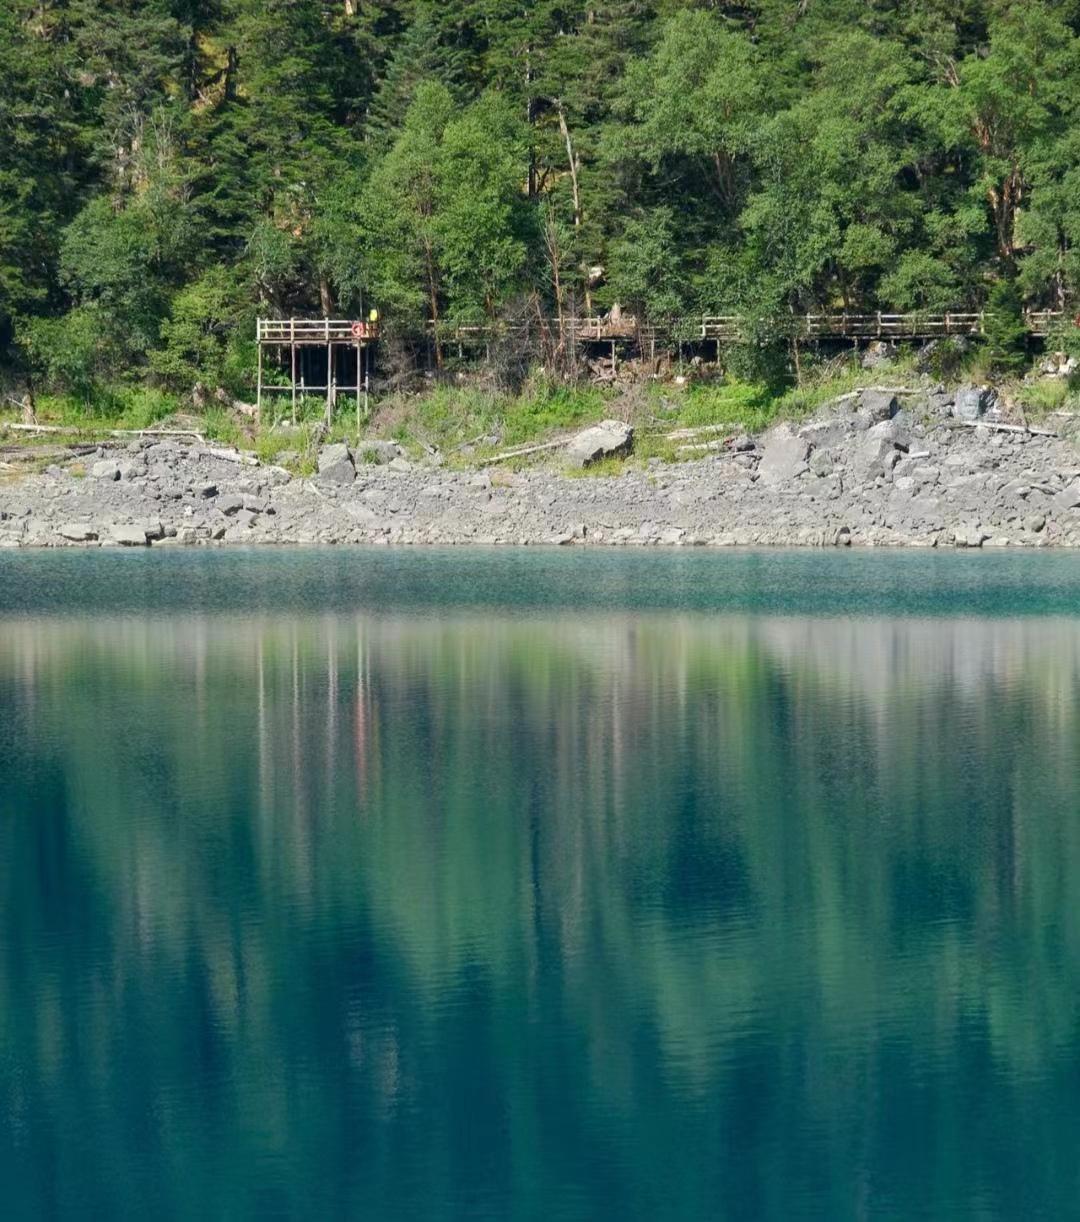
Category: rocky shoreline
[879,469]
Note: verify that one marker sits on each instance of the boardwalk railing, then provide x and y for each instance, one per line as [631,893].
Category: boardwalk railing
[315,331]
[724,328]
[873,326]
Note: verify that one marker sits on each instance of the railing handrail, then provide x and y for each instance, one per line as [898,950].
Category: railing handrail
[820,324]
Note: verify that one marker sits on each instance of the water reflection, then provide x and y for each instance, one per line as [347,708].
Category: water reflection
[586,917]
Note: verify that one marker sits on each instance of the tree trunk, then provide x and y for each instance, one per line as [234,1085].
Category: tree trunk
[433,300]
[573,162]
[530,111]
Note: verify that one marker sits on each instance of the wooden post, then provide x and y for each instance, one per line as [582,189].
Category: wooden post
[258,383]
[329,380]
[358,351]
[292,349]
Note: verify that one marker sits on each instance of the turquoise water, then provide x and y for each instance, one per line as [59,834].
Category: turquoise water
[539,885]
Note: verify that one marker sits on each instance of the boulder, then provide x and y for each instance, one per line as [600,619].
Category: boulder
[971,535]
[939,401]
[1069,499]
[896,431]
[380,452]
[973,402]
[830,432]
[608,439]
[128,536]
[874,456]
[230,504]
[77,532]
[336,464]
[821,462]
[878,354]
[106,470]
[877,405]
[784,455]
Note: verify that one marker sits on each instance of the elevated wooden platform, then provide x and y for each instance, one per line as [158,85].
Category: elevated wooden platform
[315,331]
[330,334]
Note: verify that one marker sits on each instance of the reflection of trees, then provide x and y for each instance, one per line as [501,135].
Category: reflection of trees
[607,880]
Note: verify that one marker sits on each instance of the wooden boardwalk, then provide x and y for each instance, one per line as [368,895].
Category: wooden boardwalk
[731,327]
[724,328]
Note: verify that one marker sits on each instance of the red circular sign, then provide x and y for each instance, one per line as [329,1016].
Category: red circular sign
[358,330]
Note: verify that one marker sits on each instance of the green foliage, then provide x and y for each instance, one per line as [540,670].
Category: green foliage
[200,335]
[1005,332]
[68,350]
[169,169]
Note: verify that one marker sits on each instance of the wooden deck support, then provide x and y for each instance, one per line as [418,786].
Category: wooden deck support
[294,334]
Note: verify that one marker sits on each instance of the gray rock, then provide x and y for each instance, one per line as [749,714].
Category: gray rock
[1069,498]
[877,355]
[105,470]
[77,532]
[939,401]
[821,462]
[206,491]
[608,439]
[973,402]
[784,455]
[1034,523]
[895,431]
[379,452]
[877,405]
[399,464]
[971,535]
[824,433]
[336,464]
[873,457]
[128,536]
[229,504]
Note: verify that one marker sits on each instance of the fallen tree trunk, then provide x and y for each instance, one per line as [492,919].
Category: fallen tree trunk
[700,446]
[522,451]
[999,427]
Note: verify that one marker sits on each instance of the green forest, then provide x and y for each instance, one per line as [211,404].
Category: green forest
[170,169]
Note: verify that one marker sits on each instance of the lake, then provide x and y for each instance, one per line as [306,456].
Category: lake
[539,885]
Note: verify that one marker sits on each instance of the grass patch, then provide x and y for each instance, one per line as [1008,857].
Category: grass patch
[120,407]
[1039,399]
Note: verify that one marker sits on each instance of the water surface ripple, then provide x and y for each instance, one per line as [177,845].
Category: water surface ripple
[525,886]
